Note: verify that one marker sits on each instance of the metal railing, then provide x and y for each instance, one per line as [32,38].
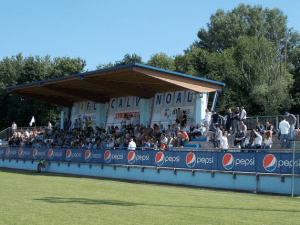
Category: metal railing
[274,120]
[7,133]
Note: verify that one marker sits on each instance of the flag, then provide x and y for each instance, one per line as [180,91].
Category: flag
[32,121]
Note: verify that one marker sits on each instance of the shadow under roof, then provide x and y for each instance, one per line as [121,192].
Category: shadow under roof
[101,85]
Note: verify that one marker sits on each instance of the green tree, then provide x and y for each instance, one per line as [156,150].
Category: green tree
[161,60]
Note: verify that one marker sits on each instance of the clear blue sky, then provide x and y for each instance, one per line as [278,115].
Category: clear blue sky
[101,31]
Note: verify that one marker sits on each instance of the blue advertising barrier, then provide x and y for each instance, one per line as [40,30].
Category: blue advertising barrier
[256,162]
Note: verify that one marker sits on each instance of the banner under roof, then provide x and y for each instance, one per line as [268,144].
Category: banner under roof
[121,81]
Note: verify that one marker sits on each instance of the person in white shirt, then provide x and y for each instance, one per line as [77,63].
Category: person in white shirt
[206,122]
[131,145]
[110,144]
[267,141]
[164,140]
[257,140]
[224,142]
[284,127]
[243,114]
[14,127]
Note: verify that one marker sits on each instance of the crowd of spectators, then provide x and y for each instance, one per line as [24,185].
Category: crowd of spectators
[132,135]
[83,135]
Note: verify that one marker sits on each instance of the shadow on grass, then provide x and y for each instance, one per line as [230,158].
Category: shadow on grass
[87,201]
[123,203]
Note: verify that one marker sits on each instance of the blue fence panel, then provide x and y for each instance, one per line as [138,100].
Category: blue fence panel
[260,162]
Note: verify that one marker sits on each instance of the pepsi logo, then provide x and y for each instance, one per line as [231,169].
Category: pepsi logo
[159,158]
[20,152]
[190,160]
[50,153]
[270,163]
[87,155]
[228,161]
[69,155]
[7,152]
[35,153]
[107,156]
[131,157]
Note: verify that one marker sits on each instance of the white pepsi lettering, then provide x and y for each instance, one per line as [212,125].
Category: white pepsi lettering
[142,157]
[172,159]
[1,152]
[205,160]
[168,98]
[117,156]
[189,99]
[112,103]
[128,105]
[178,98]
[57,154]
[13,152]
[76,155]
[26,152]
[287,163]
[96,156]
[245,162]
[158,100]
[120,103]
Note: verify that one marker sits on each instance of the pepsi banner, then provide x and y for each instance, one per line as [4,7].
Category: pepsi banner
[257,162]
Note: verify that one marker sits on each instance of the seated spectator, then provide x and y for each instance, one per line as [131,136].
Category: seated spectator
[184,137]
[267,144]
[247,142]
[260,128]
[197,131]
[240,138]
[243,127]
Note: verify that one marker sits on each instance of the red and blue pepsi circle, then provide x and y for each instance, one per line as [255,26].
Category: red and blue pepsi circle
[190,160]
[35,153]
[7,152]
[228,161]
[107,156]
[131,157]
[50,154]
[159,158]
[270,162]
[87,155]
[68,155]
[20,153]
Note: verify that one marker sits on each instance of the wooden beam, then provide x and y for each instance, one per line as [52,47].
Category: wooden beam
[53,100]
[87,95]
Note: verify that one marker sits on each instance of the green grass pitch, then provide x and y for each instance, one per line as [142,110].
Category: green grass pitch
[27,197]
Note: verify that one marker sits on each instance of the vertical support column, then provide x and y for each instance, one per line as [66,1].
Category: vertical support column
[144,111]
[101,110]
[64,115]
[201,105]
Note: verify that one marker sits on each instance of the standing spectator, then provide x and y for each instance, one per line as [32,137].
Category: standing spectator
[75,125]
[131,145]
[49,127]
[179,115]
[228,123]
[14,127]
[243,115]
[224,142]
[184,119]
[206,122]
[215,119]
[291,119]
[284,127]
[217,137]
[236,119]
[257,140]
